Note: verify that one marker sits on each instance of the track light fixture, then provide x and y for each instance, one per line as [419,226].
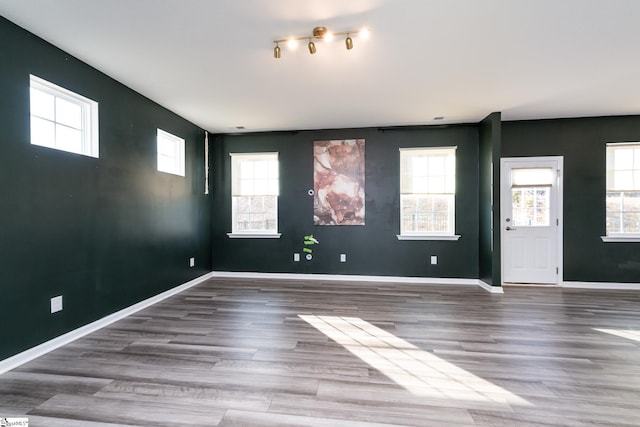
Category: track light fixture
[319,33]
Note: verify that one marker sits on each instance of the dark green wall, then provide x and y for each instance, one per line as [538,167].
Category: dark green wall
[582,142]
[489,195]
[372,249]
[104,233]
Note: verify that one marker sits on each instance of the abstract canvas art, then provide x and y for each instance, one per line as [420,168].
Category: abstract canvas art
[338,182]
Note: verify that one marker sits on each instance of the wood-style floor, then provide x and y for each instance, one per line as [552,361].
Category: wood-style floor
[291,353]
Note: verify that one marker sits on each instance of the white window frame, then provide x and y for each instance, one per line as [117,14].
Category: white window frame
[177,161]
[621,236]
[89,121]
[419,235]
[235,191]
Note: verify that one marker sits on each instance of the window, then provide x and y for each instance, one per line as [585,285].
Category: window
[254,191]
[427,193]
[170,153]
[62,119]
[623,190]
[531,197]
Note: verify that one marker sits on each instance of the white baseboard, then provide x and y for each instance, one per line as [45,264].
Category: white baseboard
[601,285]
[489,288]
[39,350]
[357,278]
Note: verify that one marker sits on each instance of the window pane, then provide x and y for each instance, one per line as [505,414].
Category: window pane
[436,165]
[69,139]
[261,170]
[42,132]
[419,165]
[42,104]
[420,185]
[427,214]
[436,184]
[246,170]
[623,158]
[68,113]
[631,212]
[614,211]
[255,213]
[261,187]
[631,223]
[623,180]
[273,170]
[530,206]
[246,187]
[166,147]
[165,163]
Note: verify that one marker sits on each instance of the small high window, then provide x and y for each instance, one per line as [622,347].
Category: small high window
[170,153]
[254,191]
[427,193]
[62,119]
[623,190]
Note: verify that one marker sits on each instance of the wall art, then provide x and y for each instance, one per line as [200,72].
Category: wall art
[338,182]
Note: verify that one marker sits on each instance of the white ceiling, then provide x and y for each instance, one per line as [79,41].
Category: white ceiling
[211,61]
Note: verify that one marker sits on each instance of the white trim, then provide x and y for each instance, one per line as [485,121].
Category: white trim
[505,184]
[601,285]
[256,154]
[626,239]
[90,129]
[490,288]
[357,278]
[254,235]
[434,148]
[44,348]
[428,237]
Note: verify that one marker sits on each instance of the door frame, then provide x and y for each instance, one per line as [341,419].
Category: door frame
[505,186]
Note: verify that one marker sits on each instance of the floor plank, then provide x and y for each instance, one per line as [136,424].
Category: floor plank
[297,353]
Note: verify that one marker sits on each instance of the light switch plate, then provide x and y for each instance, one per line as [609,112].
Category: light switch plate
[434,259]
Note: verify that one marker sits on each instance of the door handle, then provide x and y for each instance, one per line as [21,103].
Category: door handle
[510,228]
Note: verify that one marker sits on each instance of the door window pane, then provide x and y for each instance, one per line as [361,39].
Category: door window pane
[530,206]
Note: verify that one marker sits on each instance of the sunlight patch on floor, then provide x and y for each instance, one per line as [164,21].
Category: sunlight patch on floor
[631,335]
[418,371]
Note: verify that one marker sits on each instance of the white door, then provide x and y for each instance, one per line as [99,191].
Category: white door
[531,220]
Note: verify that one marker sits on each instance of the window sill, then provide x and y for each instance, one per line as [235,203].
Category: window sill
[608,239]
[429,237]
[254,235]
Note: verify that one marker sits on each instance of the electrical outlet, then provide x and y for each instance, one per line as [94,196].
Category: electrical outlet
[56,304]
[434,259]
[192,262]
[343,257]
[296,257]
